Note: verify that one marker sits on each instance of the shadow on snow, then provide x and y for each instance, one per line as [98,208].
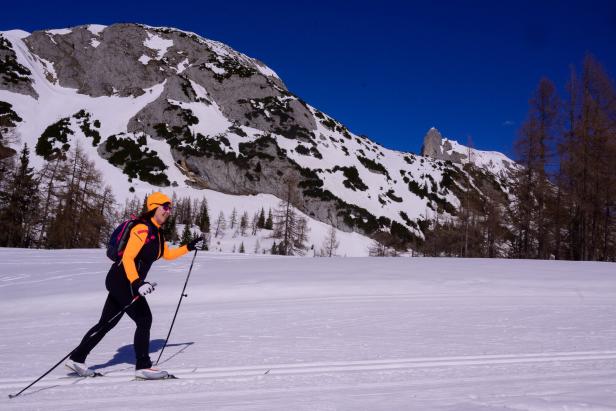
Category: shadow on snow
[126,354]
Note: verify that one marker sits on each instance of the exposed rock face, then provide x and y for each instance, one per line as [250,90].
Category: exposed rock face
[8,121]
[14,77]
[117,54]
[130,58]
[261,168]
[6,152]
[434,147]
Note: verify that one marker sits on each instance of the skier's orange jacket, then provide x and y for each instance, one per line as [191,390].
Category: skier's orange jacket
[144,247]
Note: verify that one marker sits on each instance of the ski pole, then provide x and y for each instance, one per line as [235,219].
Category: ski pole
[177,308]
[122,311]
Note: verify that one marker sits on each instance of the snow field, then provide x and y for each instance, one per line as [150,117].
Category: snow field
[280,333]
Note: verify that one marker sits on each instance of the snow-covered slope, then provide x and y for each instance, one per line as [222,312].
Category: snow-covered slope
[275,333]
[351,244]
[212,117]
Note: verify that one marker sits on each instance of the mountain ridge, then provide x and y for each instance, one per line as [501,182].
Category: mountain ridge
[176,110]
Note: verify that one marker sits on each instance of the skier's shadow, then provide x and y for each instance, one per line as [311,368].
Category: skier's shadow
[126,354]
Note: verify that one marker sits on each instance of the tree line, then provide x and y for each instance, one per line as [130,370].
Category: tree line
[562,202]
[62,205]
[65,204]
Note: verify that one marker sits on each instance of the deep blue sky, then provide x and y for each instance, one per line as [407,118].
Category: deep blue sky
[387,69]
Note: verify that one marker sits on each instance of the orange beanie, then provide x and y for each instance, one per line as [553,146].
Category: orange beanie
[157,199]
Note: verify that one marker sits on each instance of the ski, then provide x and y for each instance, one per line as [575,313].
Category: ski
[96,374]
[76,373]
[168,377]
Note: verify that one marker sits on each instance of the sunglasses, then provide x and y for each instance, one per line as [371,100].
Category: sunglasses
[165,206]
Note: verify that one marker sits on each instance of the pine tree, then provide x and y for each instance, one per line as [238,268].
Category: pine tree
[254,224]
[233,219]
[282,248]
[170,229]
[194,235]
[242,249]
[144,207]
[269,223]
[188,216]
[261,221]
[196,211]
[243,223]
[186,235]
[19,202]
[203,219]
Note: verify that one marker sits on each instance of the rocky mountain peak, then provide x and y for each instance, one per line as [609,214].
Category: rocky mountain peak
[168,108]
[434,147]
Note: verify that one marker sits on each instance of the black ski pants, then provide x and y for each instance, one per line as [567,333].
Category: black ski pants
[119,296]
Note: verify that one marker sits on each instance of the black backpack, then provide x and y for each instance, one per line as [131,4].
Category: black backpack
[119,239]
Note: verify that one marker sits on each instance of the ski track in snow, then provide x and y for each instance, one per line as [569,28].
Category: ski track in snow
[113,377]
[276,333]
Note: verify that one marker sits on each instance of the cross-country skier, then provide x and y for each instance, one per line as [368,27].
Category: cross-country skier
[127,279]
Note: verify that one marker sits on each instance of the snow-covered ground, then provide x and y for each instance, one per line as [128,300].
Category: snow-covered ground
[282,333]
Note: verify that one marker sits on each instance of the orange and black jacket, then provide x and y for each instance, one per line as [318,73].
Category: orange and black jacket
[146,244]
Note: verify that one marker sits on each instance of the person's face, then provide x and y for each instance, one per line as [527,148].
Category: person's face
[162,213]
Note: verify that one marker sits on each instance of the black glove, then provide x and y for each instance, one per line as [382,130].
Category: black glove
[195,244]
